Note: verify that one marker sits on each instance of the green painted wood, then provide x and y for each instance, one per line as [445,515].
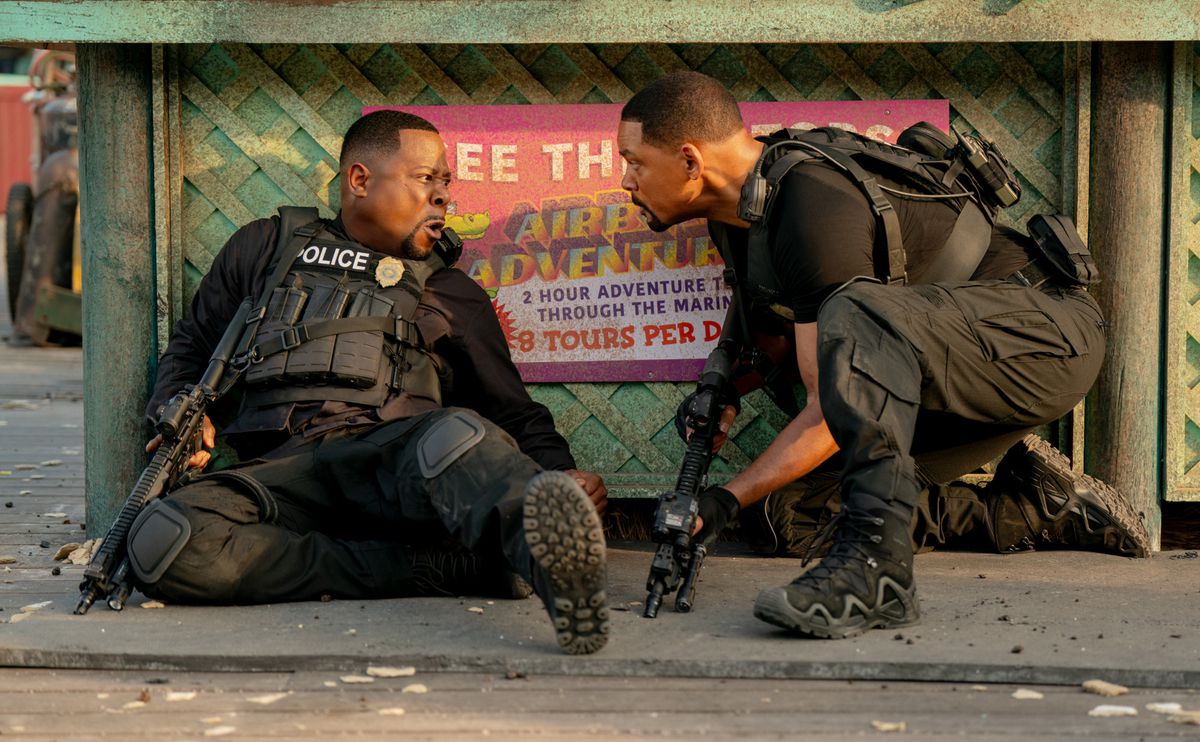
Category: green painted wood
[1182,343]
[116,193]
[1127,232]
[599,21]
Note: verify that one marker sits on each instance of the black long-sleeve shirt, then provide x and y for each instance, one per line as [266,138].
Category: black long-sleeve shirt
[483,376]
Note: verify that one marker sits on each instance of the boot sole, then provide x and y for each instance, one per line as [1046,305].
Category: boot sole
[564,535]
[1125,535]
[774,607]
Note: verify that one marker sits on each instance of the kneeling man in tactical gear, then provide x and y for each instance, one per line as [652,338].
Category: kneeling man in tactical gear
[388,446]
[929,341]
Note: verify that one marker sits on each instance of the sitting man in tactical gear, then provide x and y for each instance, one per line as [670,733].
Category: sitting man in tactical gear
[911,383]
[388,446]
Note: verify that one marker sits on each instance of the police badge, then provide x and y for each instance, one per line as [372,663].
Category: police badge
[389,271]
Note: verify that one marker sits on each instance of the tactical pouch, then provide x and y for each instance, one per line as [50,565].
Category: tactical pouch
[1064,251]
[358,356]
[997,184]
[312,361]
[282,311]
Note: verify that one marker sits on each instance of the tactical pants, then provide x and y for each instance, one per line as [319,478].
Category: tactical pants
[922,384]
[340,517]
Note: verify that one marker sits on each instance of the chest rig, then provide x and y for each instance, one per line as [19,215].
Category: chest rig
[971,175]
[337,321]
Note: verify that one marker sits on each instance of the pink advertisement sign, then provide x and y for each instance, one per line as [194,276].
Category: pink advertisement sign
[584,291]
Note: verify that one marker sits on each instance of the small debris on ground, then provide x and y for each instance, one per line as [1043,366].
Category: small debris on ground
[269,698]
[180,695]
[1108,710]
[18,404]
[8,560]
[154,604]
[1186,717]
[889,726]
[219,731]
[381,671]
[351,679]
[65,550]
[52,462]
[1104,688]
[1164,708]
[133,705]
[1024,694]
[83,555]
[393,711]
[35,606]
[514,675]
[414,688]
[475,609]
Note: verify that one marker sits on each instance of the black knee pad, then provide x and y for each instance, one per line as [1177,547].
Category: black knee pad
[156,537]
[447,440]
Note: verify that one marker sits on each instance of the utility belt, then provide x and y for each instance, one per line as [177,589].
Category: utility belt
[1062,259]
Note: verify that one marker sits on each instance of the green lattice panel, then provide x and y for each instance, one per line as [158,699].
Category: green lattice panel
[1183,343]
[260,127]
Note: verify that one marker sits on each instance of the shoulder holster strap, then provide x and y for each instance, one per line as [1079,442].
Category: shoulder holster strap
[297,226]
[886,221]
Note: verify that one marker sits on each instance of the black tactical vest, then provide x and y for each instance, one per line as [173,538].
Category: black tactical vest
[339,326]
[938,170]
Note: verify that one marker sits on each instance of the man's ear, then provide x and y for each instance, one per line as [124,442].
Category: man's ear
[693,160]
[356,178]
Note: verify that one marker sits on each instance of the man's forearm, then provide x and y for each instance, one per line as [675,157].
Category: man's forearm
[798,449]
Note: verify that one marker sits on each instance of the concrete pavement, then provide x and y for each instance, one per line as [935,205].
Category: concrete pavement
[1040,617]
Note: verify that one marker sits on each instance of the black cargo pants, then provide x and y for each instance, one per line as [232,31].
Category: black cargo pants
[922,384]
[340,517]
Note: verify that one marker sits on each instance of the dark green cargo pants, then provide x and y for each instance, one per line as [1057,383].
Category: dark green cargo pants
[923,384]
[341,516]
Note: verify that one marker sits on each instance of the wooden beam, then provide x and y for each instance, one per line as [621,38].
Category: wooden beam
[1128,238]
[595,21]
[117,219]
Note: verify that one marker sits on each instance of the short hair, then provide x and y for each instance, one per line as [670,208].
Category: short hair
[379,131]
[684,106]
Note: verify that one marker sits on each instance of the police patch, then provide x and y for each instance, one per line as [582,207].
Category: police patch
[334,256]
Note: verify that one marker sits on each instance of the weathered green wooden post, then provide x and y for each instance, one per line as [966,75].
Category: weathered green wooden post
[1128,236]
[118,292]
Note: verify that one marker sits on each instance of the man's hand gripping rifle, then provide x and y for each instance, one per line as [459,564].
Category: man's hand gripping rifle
[678,558]
[179,423]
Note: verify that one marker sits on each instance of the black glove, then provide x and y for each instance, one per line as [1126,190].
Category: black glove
[727,397]
[717,507]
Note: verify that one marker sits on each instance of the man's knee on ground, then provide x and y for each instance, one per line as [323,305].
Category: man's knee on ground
[179,552]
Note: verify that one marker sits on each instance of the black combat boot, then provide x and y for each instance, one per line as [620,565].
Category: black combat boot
[864,582]
[1037,502]
[456,571]
[566,542]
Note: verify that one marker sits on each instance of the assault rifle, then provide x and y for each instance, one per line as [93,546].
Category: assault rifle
[678,558]
[179,424]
